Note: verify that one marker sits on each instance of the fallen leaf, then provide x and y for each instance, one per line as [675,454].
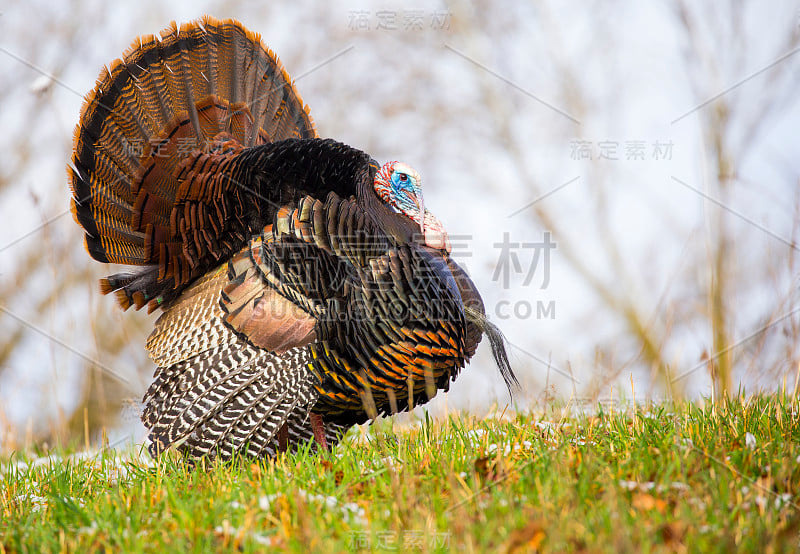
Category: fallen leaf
[647,502]
[673,533]
[487,469]
[527,539]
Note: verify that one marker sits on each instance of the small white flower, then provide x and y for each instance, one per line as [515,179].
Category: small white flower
[545,425]
[355,513]
[697,503]
[629,485]
[264,502]
[90,530]
[388,461]
[782,499]
[262,539]
[750,440]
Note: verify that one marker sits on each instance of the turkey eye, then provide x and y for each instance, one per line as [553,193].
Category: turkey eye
[403,177]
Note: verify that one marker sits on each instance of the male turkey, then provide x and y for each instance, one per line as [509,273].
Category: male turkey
[304,287]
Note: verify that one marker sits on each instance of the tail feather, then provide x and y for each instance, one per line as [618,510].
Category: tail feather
[153,112]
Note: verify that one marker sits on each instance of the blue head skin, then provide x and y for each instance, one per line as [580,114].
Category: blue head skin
[400,186]
[405,189]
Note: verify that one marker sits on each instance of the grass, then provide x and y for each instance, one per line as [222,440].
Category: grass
[718,478]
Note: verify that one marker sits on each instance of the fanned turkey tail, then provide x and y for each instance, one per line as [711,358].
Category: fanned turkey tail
[152,145]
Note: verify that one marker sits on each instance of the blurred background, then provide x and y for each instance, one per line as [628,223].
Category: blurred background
[620,180]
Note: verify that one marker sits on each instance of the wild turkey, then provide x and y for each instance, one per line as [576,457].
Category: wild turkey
[302,288]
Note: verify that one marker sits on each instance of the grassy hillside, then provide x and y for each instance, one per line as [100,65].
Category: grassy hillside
[723,477]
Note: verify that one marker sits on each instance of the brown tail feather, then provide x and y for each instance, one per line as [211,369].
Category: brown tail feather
[149,114]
